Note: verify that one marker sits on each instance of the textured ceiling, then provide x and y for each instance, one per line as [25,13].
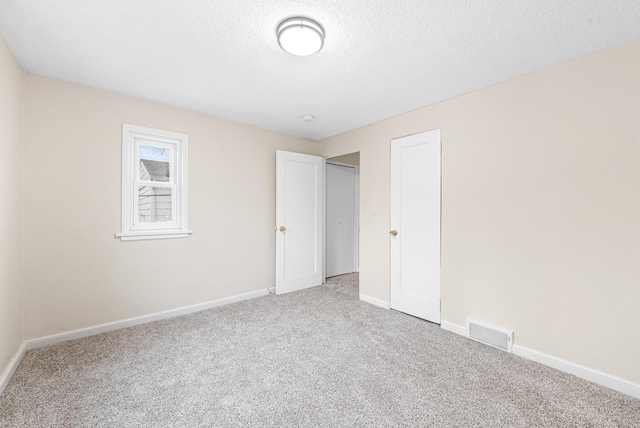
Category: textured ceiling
[380,58]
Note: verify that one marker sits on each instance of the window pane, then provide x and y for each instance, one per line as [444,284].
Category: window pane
[155,163]
[154,204]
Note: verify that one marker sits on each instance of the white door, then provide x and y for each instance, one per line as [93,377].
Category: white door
[299,220]
[341,219]
[415,225]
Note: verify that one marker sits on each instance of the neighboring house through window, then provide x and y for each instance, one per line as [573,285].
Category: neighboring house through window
[154,184]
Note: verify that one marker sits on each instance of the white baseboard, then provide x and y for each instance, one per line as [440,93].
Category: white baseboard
[11,368]
[454,328]
[130,322]
[591,375]
[376,302]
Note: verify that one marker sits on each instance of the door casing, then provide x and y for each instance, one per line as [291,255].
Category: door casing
[356,198]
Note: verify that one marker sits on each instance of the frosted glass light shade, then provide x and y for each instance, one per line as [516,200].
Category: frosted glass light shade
[300,36]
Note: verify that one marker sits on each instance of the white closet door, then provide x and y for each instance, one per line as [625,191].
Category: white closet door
[341,215]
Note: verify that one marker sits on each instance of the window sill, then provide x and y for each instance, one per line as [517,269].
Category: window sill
[156,234]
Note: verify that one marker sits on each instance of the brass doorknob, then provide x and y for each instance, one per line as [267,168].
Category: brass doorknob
[282,228]
[394,232]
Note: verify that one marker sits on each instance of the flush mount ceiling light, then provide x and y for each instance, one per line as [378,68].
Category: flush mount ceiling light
[300,36]
[308,117]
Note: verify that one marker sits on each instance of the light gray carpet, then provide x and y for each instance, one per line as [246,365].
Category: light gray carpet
[347,284]
[316,358]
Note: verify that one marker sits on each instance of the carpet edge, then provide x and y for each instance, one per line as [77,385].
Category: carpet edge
[6,376]
[376,302]
[454,328]
[595,376]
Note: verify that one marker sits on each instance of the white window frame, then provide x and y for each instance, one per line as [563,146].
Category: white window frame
[133,137]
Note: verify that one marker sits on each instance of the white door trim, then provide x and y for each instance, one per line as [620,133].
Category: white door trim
[356,214]
[324,213]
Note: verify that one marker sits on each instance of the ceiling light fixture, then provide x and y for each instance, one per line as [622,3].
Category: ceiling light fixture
[308,117]
[300,36]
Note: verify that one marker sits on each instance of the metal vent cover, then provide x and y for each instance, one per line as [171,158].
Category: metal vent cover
[497,337]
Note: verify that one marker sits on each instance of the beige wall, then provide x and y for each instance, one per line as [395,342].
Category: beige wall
[540,207]
[77,273]
[349,159]
[11,102]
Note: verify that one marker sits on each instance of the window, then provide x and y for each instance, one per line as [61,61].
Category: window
[154,184]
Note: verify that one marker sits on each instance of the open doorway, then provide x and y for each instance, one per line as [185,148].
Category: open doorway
[342,223]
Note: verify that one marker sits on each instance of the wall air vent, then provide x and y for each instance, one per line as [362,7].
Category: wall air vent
[496,337]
